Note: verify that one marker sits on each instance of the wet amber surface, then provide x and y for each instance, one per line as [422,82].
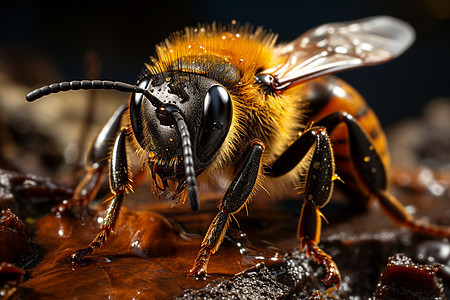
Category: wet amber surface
[148,254]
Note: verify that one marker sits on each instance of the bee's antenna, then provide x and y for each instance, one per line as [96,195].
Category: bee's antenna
[188,160]
[90,85]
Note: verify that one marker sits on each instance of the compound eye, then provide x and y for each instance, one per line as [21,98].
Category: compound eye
[216,122]
[136,117]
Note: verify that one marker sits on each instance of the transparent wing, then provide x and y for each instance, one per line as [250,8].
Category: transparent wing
[336,47]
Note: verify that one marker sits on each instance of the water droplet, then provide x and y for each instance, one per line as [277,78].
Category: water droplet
[366,158]
[218,125]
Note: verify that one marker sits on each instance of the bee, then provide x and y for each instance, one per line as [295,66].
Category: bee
[228,102]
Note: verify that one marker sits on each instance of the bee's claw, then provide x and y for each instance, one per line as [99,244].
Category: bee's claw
[333,278]
[78,257]
[197,272]
[312,250]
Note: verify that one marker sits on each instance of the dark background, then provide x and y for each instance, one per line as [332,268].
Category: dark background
[124,34]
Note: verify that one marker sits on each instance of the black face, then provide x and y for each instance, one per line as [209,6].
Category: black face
[205,106]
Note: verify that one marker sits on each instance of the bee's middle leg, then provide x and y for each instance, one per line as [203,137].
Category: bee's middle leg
[317,191]
[235,198]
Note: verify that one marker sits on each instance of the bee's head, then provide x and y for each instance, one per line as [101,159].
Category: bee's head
[205,107]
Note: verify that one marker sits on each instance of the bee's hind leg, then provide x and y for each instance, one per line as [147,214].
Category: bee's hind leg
[373,173]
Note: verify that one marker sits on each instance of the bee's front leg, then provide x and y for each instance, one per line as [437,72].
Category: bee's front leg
[235,198]
[96,164]
[120,183]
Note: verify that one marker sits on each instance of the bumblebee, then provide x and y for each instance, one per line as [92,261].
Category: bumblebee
[228,102]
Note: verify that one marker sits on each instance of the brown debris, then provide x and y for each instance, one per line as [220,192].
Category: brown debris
[404,279]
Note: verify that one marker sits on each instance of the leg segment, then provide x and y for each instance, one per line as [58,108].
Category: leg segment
[396,211]
[235,198]
[120,183]
[363,151]
[309,234]
[96,163]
